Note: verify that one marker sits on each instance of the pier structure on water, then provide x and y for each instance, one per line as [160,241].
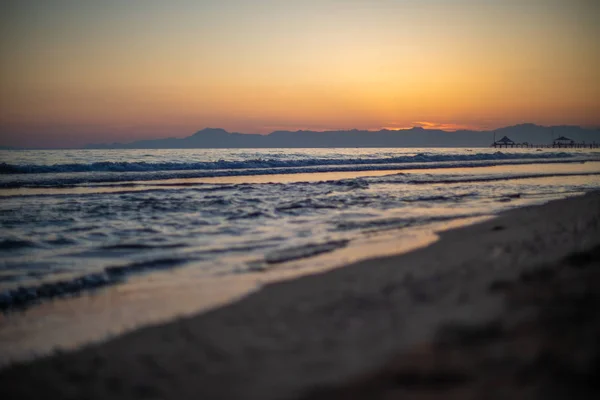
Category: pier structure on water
[558,143]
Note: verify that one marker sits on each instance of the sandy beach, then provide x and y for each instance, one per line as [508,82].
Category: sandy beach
[500,309]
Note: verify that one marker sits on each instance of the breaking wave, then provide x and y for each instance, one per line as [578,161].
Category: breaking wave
[111,166]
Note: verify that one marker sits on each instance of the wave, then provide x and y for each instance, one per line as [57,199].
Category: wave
[441,179]
[305,251]
[141,166]
[65,180]
[24,296]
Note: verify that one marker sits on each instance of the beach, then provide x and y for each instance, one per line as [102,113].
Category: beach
[378,328]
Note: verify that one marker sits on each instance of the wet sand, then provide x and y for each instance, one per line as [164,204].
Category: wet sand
[504,308]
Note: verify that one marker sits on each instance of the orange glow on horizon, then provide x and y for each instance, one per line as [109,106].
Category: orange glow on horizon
[450,127]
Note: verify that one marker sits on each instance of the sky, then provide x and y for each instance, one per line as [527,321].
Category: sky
[85,71]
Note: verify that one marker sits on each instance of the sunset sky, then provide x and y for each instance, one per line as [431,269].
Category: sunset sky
[77,71]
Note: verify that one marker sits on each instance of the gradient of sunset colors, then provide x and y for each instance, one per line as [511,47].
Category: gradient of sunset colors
[80,71]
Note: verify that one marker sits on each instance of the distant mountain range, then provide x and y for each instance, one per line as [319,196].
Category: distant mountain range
[413,137]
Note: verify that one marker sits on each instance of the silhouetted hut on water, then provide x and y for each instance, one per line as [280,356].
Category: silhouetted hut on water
[563,141]
[504,142]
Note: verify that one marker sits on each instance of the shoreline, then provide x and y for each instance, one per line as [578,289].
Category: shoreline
[90,317]
[322,329]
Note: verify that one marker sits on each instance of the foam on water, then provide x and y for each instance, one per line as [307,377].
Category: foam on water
[73,167]
[267,163]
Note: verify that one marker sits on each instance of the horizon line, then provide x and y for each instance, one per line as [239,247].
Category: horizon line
[315,130]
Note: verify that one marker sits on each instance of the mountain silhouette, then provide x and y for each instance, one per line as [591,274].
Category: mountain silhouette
[413,137]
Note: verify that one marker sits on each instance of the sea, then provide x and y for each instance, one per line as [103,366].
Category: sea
[97,242]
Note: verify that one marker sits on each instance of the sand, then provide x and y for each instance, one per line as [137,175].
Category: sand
[472,315]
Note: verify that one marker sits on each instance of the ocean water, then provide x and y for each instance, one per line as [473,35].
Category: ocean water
[76,221]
